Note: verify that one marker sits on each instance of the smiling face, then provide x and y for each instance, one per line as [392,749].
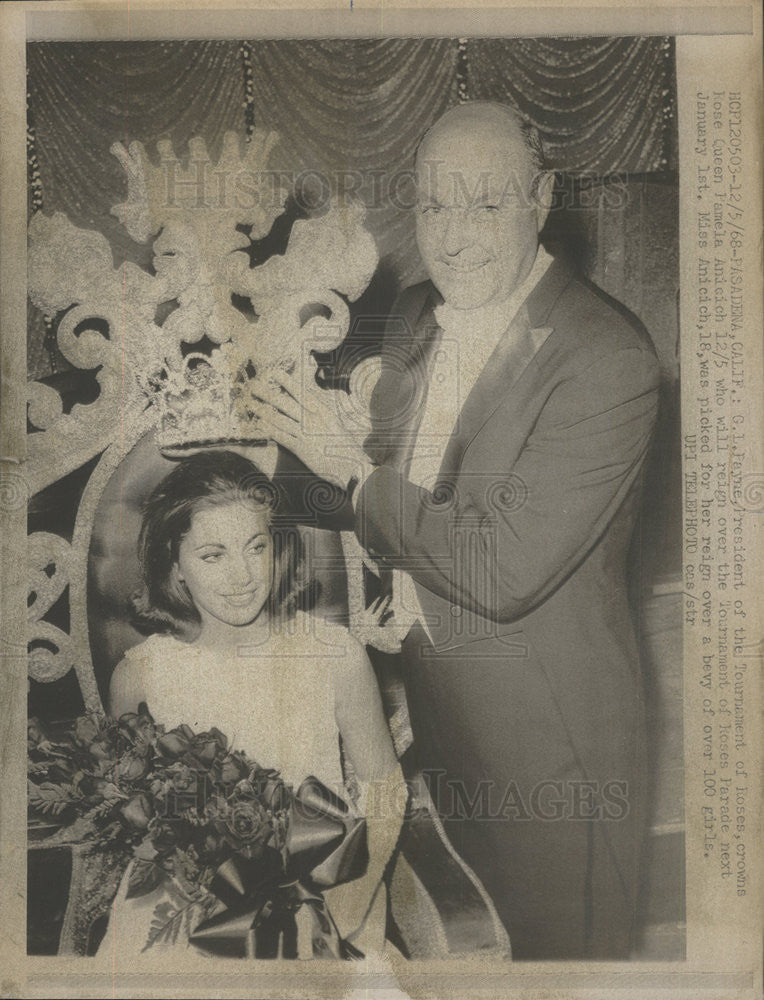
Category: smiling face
[477,223]
[226,562]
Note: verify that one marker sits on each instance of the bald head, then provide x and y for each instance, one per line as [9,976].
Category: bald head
[479,124]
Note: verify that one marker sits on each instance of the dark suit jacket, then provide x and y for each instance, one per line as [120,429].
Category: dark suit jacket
[519,554]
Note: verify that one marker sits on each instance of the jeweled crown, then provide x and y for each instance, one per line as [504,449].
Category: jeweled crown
[175,338]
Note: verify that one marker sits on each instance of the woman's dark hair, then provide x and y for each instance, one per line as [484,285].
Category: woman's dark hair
[201,481]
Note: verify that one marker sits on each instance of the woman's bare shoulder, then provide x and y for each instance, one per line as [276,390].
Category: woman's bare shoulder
[154,647]
[129,682]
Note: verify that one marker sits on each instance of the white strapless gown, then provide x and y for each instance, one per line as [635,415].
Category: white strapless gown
[274,701]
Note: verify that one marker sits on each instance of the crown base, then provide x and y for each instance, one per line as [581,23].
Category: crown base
[182,449]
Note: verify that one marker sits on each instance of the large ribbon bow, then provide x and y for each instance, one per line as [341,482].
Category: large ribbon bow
[263,896]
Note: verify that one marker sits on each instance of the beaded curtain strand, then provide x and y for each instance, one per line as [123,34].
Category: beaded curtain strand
[35,204]
[249,95]
[462,71]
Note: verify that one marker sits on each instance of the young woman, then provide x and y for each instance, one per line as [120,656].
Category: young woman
[222,580]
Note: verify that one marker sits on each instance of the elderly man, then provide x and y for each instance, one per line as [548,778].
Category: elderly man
[500,485]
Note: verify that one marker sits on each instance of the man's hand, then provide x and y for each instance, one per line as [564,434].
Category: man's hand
[308,422]
[377,627]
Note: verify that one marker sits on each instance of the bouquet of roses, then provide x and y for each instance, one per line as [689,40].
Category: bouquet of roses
[226,837]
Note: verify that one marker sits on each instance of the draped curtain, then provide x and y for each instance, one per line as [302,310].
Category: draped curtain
[353,109]
[602,105]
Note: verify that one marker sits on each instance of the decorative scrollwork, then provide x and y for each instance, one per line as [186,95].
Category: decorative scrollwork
[46,664]
[50,649]
[45,405]
[48,557]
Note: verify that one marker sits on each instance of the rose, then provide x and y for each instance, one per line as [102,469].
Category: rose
[212,842]
[275,795]
[111,742]
[138,811]
[214,735]
[182,778]
[102,749]
[101,790]
[85,730]
[246,827]
[131,767]
[138,725]
[184,789]
[204,749]
[231,769]
[177,742]
[267,785]
[243,789]
[159,788]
